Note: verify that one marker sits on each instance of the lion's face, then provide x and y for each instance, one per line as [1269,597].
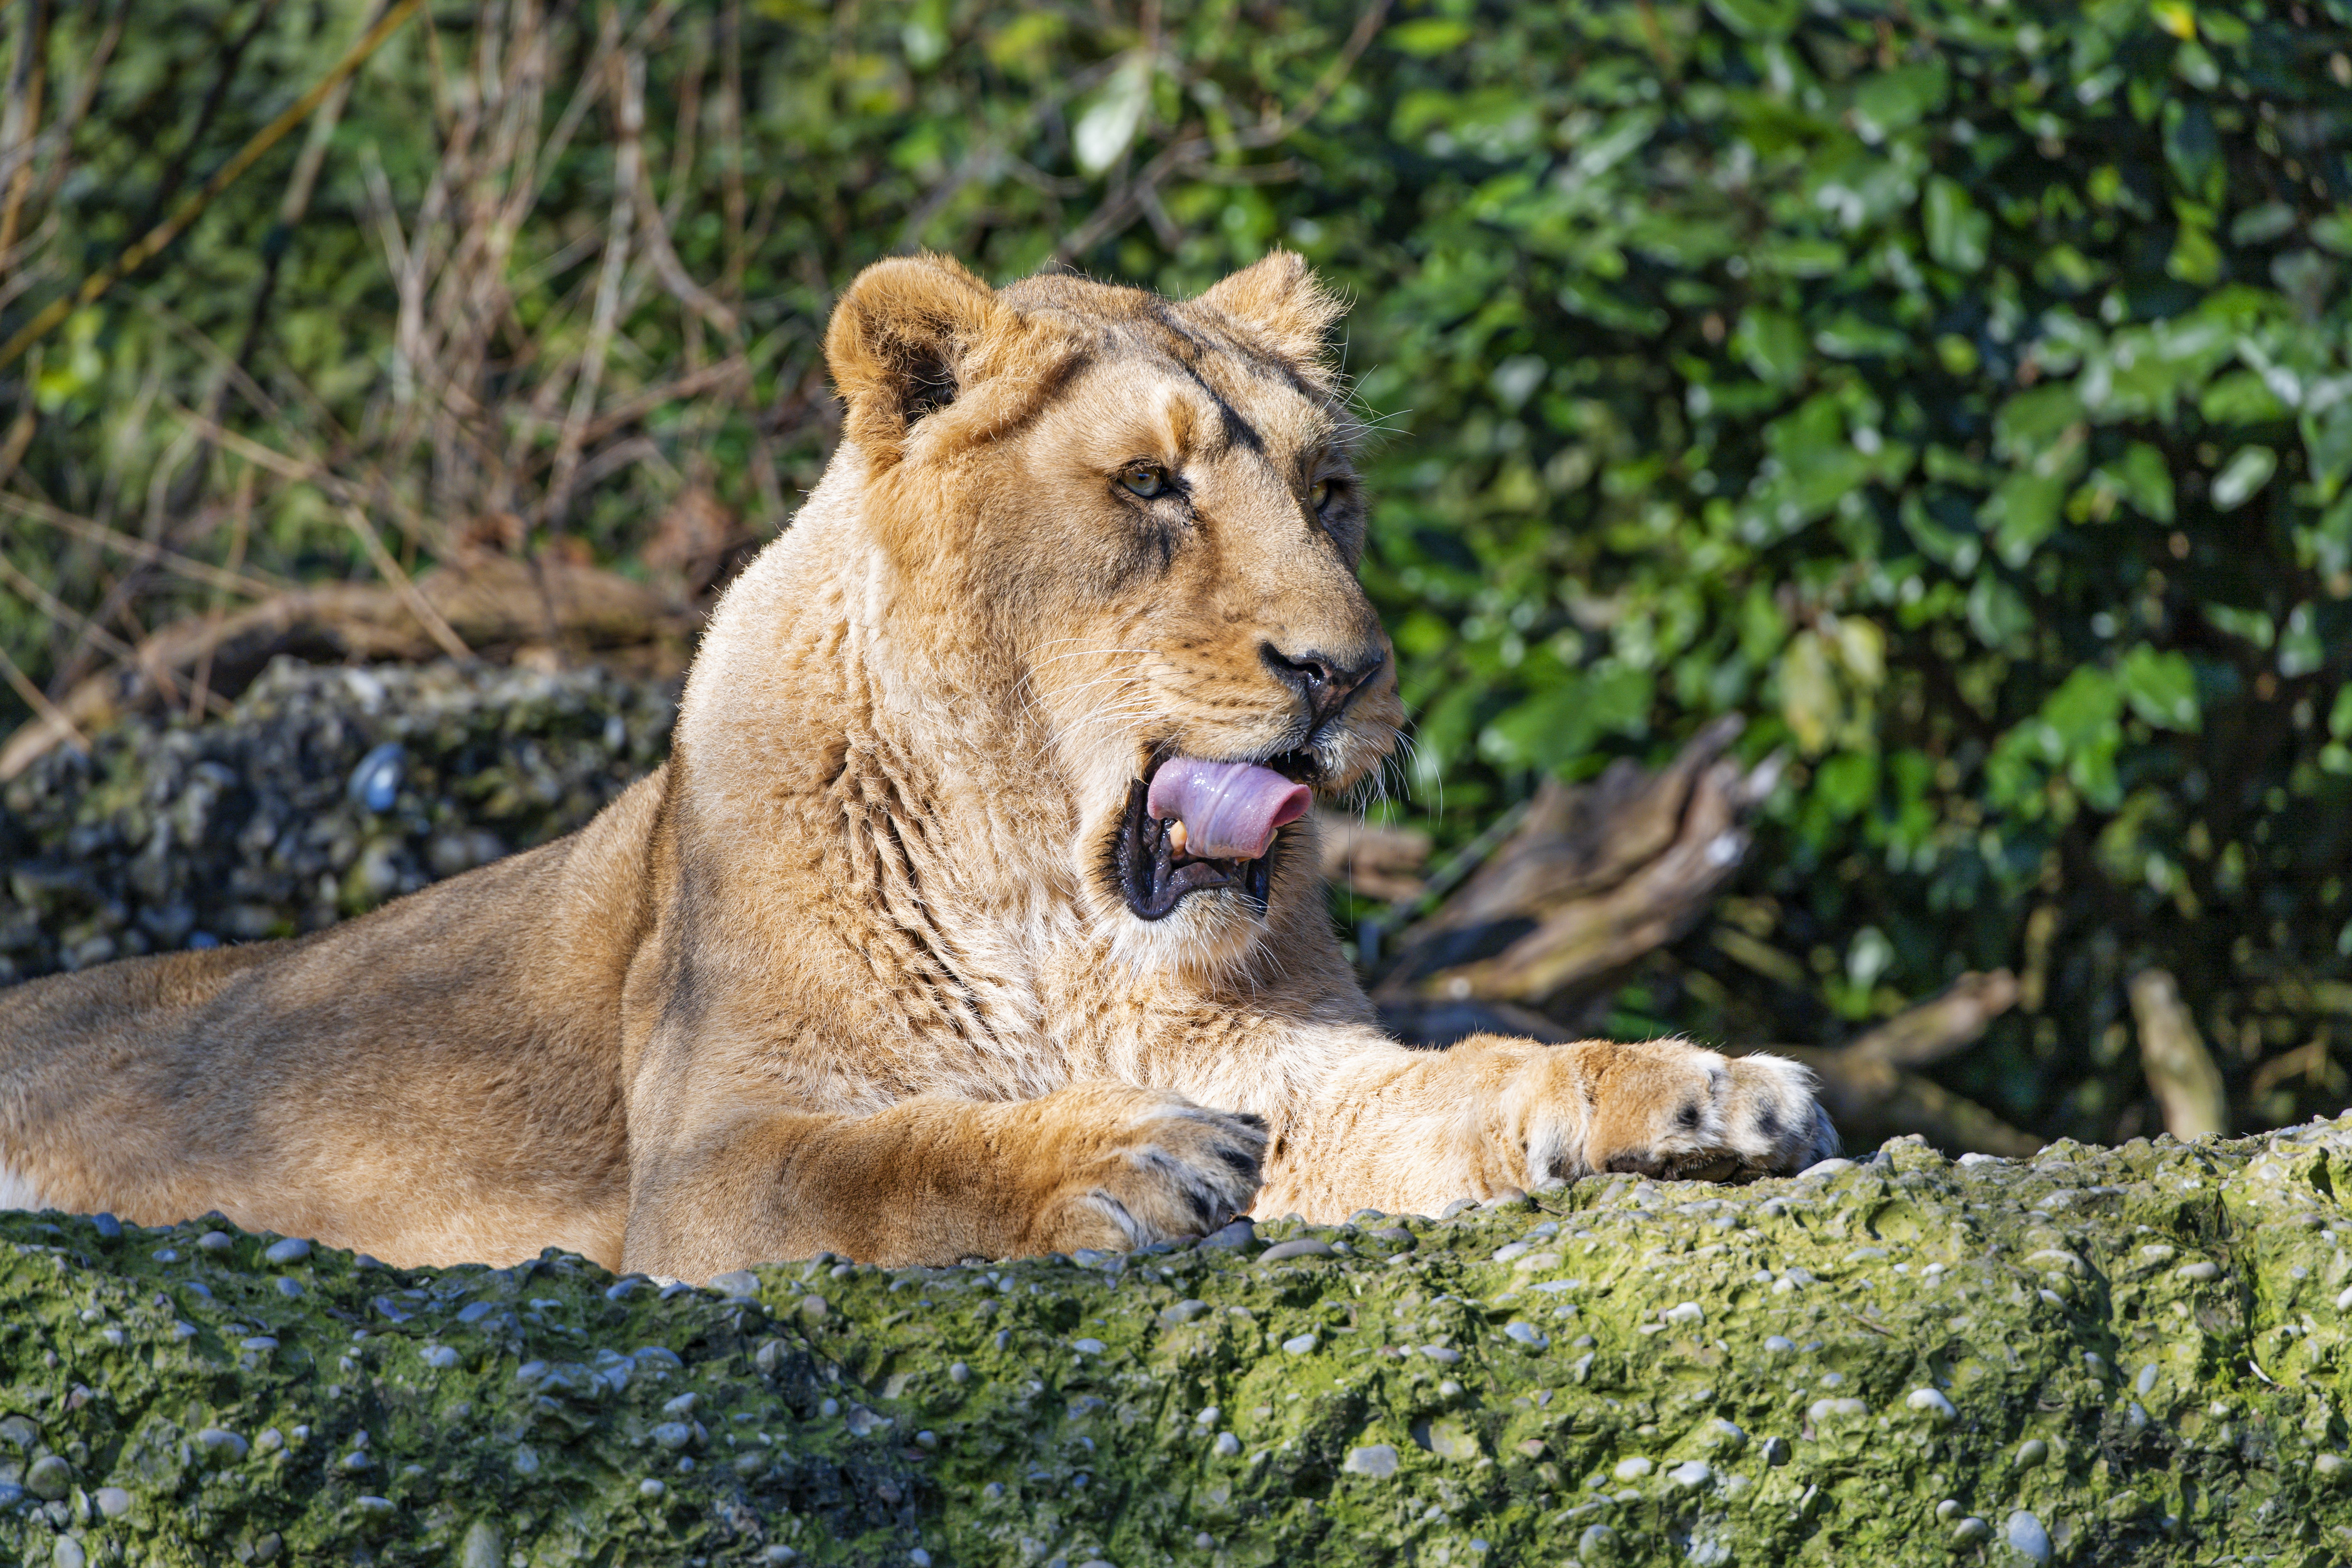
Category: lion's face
[1148,511]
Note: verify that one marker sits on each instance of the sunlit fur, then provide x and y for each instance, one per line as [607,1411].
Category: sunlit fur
[853,972]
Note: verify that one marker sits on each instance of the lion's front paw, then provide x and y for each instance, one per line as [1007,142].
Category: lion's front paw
[1136,1166]
[1665,1109]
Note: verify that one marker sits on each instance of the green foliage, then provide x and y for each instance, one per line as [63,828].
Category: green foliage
[1962,390]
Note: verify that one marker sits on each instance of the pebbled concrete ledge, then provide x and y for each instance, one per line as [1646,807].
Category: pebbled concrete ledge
[2099,1356]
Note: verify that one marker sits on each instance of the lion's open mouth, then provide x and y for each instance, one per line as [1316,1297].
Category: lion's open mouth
[1191,824]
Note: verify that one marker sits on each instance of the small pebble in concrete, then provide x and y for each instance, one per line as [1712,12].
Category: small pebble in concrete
[1230,1238]
[1931,1402]
[222,1447]
[1303,1246]
[2027,1537]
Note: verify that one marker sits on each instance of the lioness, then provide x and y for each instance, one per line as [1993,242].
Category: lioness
[975,911]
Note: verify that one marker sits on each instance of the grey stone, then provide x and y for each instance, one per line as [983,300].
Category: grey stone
[49,1478]
[1378,1460]
[2027,1538]
[222,1447]
[484,1546]
[1232,1237]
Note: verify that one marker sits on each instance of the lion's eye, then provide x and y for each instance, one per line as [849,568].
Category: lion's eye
[1320,496]
[1145,480]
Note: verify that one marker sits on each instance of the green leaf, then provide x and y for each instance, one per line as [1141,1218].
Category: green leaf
[1849,336]
[2333,232]
[2245,473]
[1771,342]
[1429,36]
[1108,125]
[2191,147]
[2145,480]
[2241,397]
[2160,687]
[1756,18]
[2339,717]
[1809,700]
[2028,423]
[1557,727]
[1957,231]
[1899,99]
[2259,225]
[1998,613]
[2195,258]
[2328,440]
[2300,651]
[2021,513]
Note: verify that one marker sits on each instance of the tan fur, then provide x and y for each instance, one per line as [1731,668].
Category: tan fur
[852,971]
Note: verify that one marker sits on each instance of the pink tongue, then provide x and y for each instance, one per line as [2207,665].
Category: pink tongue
[1230,810]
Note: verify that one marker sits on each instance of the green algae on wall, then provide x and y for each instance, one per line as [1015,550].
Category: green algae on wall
[2099,1356]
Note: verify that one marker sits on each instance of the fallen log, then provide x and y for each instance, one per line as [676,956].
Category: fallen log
[498,605]
[2099,1356]
[1594,878]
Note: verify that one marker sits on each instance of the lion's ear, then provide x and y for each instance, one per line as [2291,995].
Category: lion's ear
[1280,300]
[901,343]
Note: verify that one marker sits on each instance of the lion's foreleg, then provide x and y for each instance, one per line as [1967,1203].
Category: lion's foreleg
[1409,1131]
[933,1180]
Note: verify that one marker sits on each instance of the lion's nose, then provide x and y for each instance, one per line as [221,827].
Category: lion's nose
[1324,682]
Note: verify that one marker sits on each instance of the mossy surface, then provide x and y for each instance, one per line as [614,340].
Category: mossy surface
[2100,1356]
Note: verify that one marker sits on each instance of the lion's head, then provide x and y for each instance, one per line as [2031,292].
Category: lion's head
[1145,511]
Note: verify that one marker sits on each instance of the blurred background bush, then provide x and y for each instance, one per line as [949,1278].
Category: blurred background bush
[1961,391]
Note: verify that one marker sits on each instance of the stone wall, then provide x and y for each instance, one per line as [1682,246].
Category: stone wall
[2100,1356]
[324,793]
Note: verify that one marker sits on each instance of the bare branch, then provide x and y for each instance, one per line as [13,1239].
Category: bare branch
[2180,1068]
